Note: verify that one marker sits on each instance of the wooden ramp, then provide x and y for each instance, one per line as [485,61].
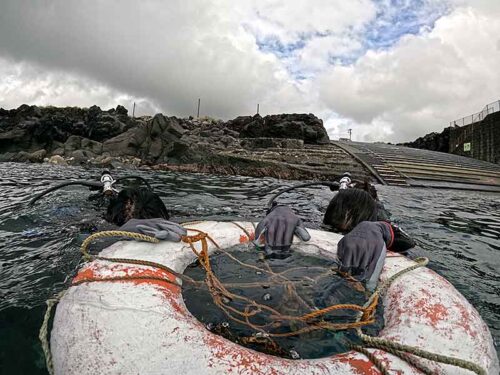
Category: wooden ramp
[404,166]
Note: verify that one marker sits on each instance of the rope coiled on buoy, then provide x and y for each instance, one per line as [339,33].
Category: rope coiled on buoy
[218,290]
[402,350]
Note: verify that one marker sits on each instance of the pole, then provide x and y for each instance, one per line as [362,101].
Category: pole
[350,134]
[257,108]
[133,111]
[198,113]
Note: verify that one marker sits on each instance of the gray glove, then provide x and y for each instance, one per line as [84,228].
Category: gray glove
[278,227]
[362,251]
[158,228]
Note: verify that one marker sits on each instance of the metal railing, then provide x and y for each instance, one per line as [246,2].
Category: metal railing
[479,116]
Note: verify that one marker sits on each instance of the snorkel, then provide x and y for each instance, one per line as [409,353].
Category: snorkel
[344,183]
[105,185]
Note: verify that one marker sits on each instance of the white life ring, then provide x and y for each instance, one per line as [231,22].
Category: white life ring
[143,326]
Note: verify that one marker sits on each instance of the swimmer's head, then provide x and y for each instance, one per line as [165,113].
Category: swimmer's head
[350,207]
[135,203]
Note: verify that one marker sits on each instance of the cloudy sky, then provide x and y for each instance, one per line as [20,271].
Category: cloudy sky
[392,70]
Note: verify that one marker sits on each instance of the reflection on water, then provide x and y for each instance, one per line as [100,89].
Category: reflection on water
[39,246]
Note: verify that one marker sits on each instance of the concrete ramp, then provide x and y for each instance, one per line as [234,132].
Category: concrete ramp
[404,166]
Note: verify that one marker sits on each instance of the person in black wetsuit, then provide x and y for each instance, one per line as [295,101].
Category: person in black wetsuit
[142,211]
[354,211]
[349,207]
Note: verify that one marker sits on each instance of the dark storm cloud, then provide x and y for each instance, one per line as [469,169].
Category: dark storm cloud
[172,52]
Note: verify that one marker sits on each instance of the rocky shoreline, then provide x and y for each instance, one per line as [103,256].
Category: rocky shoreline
[433,141]
[289,146]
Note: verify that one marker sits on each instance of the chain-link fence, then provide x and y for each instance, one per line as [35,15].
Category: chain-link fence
[479,116]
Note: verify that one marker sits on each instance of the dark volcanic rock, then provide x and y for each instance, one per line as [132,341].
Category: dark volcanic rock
[127,143]
[243,122]
[30,128]
[432,141]
[92,136]
[307,127]
[156,141]
[23,156]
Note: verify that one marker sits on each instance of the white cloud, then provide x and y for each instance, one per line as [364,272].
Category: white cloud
[27,83]
[289,20]
[422,82]
[172,52]
[349,62]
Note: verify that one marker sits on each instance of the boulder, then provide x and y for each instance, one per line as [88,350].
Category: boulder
[16,139]
[307,127]
[7,156]
[21,156]
[239,123]
[105,127]
[228,141]
[432,141]
[127,143]
[73,143]
[92,146]
[104,161]
[30,128]
[173,130]
[121,110]
[176,149]
[58,160]
[58,151]
[155,149]
[80,157]
[37,156]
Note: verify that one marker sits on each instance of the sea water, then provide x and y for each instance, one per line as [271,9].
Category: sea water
[292,284]
[39,246]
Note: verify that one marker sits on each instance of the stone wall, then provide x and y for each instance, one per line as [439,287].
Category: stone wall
[480,140]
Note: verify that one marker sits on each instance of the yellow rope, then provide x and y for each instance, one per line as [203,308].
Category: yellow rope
[365,315]
[218,290]
[113,233]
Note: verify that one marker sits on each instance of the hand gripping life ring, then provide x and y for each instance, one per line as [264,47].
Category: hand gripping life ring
[141,325]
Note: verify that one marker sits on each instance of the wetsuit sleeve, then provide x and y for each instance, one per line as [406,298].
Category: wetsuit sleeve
[402,241]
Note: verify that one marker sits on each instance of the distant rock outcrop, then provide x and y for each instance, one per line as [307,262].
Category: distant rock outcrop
[306,127]
[30,128]
[286,146]
[432,141]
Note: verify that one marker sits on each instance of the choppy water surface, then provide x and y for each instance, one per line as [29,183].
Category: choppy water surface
[39,246]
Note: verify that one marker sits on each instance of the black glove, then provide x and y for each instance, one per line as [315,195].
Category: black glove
[158,228]
[278,228]
[362,251]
